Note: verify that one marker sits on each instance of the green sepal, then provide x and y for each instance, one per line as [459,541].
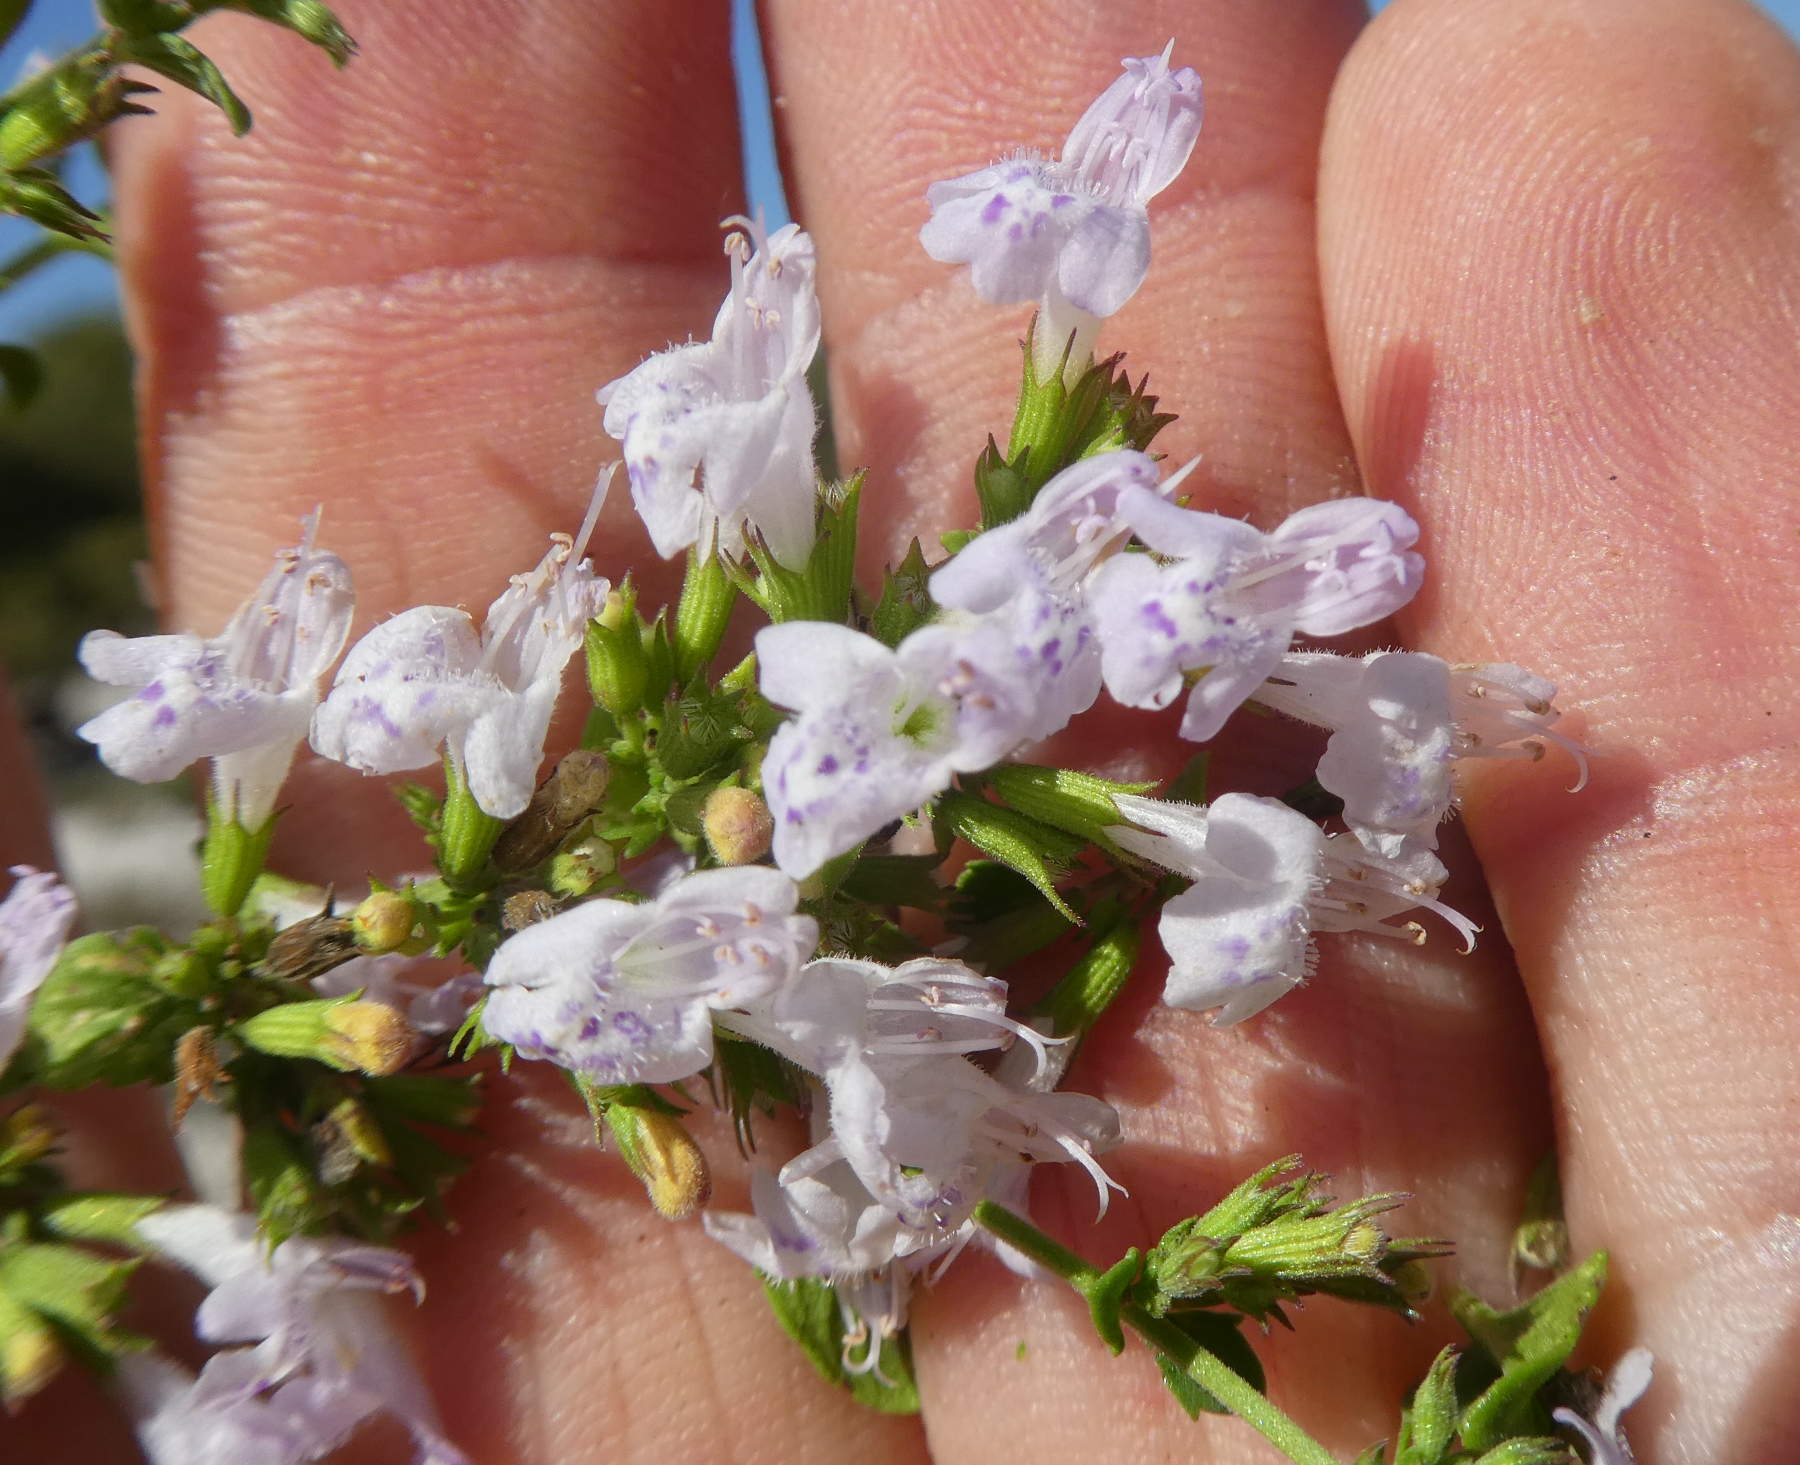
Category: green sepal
[1088,988]
[702,614]
[467,833]
[284,1192]
[890,880]
[1428,1427]
[1541,1241]
[101,1017]
[808,1312]
[1001,915]
[618,665]
[748,1080]
[1527,1450]
[820,589]
[1220,1334]
[21,375]
[1527,1344]
[1077,803]
[185,64]
[1016,840]
[905,603]
[231,858]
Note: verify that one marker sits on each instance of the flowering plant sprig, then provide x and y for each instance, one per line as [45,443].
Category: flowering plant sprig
[816,877]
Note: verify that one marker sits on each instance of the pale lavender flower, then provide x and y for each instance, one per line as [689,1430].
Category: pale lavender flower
[622,993]
[242,698]
[717,435]
[927,1135]
[320,1355]
[838,1006]
[1265,878]
[1231,599]
[880,730]
[1072,524]
[1399,721]
[1625,1385]
[1073,233]
[35,919]
[427,679]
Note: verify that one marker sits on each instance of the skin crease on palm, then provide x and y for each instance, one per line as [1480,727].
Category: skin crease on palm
[1532,270]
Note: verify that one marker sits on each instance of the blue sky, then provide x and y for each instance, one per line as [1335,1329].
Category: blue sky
[76,282]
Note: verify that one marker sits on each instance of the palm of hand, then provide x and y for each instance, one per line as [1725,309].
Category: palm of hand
[1543,296]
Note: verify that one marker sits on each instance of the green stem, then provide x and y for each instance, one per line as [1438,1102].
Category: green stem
[1201,1366]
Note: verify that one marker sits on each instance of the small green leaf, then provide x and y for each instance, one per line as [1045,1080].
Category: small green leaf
[809,1313]
[1106,1293]
[1528,1344]
[101,1017]
[21,375]
[1022,843]
[98,1216]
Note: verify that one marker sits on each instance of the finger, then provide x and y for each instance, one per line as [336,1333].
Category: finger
[877,103]
[396,297]
[1562,259]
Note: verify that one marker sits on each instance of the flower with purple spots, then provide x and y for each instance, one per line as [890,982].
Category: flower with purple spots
[242,698]
[1265,878]
[879,730]
[1228,600]
[427,679]
[1400,721]
[625,993]
[1073,233]
[324,1357]
[717,435]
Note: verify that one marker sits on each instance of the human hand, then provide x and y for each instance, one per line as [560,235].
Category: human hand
[1545,299]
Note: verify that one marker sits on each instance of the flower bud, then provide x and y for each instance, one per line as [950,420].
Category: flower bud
[26,1136]
[384,922]
[664,1156]
[30,1355]
[580,869]
[345,1033]
[737,825]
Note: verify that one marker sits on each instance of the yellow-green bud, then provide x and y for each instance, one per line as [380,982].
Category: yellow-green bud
[30,1355]
[348,1034]
[384,922]
[579,869]
[664,1156]
[738,826]
[26,1135]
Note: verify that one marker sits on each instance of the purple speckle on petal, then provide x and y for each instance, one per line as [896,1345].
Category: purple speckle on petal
[165,717]
[590,1030]
[996,206]
[152,693]
[828,764]
[1154,614]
